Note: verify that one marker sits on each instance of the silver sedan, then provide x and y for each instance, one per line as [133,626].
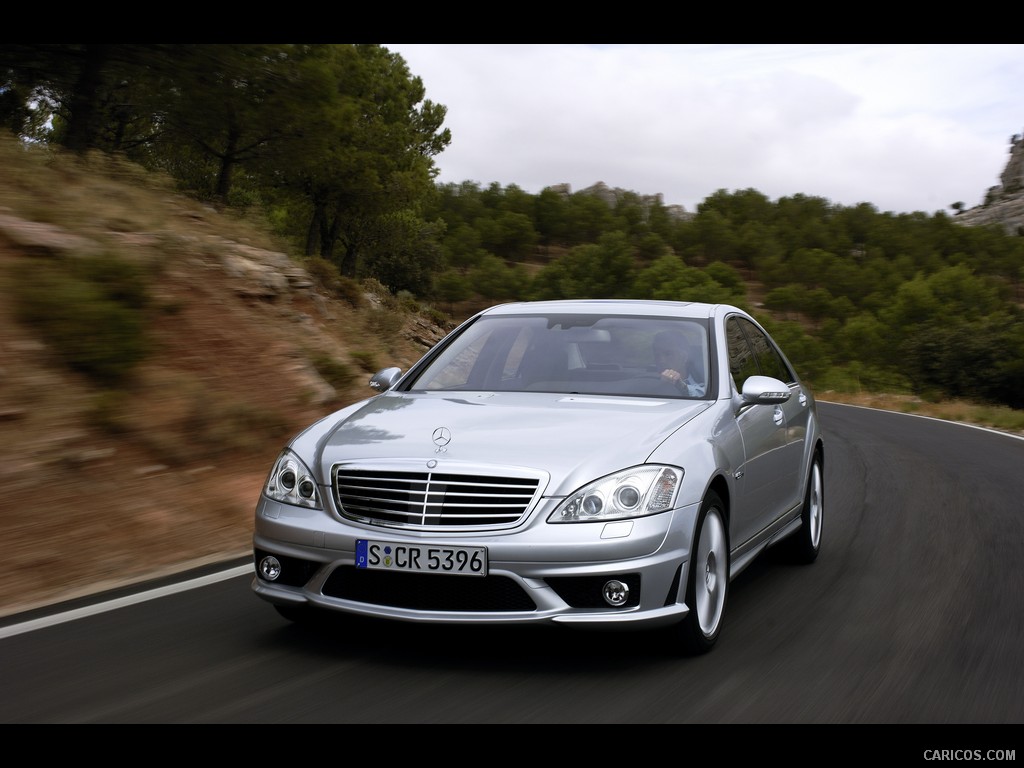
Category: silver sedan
[592,463]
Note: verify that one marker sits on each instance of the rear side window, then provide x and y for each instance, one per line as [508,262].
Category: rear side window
[751,352]
[742,362]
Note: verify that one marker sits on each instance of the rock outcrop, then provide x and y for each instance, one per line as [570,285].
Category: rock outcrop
[1004,203]
[1003,206]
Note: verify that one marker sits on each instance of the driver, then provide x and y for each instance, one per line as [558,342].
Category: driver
[671,354]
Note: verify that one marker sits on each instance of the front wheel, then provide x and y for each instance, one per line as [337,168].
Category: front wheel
[805,543]
[707,584]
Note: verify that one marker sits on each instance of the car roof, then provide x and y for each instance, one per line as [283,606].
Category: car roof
[693,309]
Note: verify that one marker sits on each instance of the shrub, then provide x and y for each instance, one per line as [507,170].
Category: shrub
[90,316]
[367,361]
[335,372]
[326,275]
[437,317]
[349,291]
[107,411]
[378,289]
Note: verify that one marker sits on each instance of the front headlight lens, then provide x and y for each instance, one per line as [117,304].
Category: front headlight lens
[634,492]
[291,482]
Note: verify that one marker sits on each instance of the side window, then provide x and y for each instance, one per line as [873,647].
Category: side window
[751,351]
[742,363]
[768,358]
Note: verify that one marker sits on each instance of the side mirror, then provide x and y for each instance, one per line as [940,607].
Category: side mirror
[764,390]
[384,380]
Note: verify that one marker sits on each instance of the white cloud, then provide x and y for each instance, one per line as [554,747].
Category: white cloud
[903,127]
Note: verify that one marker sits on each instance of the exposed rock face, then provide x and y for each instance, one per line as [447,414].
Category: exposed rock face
[1004,203]
[1012,177]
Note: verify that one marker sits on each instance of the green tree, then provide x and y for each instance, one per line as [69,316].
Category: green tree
[83,96]
[457,204]
[588,217]
[659,222]
[552,218]
[668,278]
[756,246]
[630,214]
[598,270]
[404,253]
[463,247]
[784,299]
[744,206]
[510,235]
[370,152]
[452,286]
[727,277]
[863,337]
[716,235]
[649,246]
[496,280]
[241,106]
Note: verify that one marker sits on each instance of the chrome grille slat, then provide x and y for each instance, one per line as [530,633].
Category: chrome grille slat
[426,499]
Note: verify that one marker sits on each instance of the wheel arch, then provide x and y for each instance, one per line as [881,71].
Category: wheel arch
[719,485]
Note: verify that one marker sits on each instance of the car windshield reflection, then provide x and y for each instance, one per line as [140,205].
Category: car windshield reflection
[573,354]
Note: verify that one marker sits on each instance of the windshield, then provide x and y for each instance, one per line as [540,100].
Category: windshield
[573,354]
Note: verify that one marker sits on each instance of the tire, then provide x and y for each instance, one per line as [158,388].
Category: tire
[806,542]
[707,585]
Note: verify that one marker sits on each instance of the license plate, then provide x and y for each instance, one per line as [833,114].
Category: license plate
[391,556]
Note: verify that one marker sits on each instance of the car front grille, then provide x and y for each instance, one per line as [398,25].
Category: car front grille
[442,500]
[428,592]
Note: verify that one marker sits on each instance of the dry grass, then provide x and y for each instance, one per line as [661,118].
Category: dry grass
[103,486]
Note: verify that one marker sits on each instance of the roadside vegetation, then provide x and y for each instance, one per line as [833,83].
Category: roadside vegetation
[327,152]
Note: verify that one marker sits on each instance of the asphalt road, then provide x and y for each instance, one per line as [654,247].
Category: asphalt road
[913,614]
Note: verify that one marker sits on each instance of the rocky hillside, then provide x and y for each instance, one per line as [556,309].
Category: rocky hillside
[102,487]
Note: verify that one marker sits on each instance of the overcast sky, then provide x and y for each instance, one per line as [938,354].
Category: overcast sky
[905,127]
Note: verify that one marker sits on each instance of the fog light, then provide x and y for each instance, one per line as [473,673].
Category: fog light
[615,593]
[270,568]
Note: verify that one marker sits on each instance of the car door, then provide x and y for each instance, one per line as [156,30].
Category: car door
[796,411]
[767,479]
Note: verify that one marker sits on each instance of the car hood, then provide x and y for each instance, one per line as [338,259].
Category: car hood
[574,438]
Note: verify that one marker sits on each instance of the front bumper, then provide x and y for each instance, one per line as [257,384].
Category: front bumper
[540,573]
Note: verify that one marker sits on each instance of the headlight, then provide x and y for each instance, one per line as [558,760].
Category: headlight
[291,482]
[633,492]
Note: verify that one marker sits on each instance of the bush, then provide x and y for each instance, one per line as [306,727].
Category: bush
[336,373]
[387,299]
[107,411]
[367,361]
[323,272]
[349,291]
[437,317]
[327,277]
[90,316]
